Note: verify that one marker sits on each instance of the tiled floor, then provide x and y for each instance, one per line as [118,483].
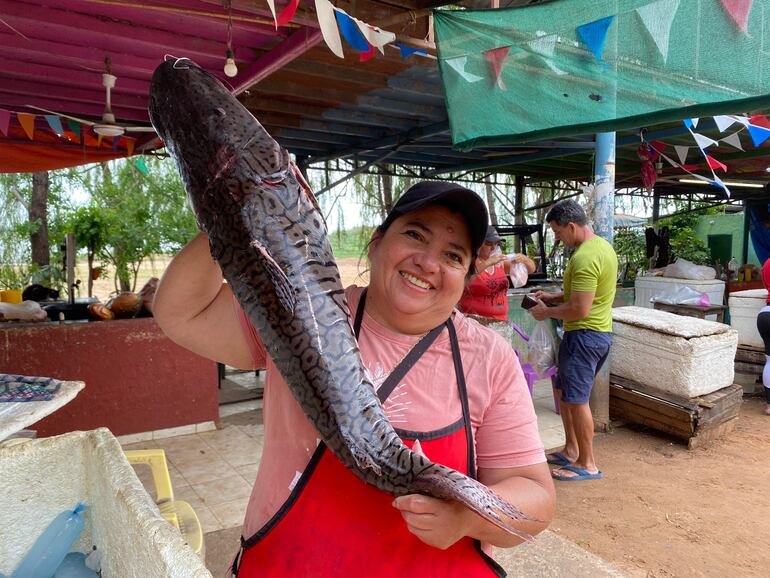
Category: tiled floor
[214,471]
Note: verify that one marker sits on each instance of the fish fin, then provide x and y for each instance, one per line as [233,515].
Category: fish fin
[441,482]
[305,187]
[283,288]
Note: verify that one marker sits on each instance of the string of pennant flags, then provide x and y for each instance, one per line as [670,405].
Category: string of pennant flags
[74,131]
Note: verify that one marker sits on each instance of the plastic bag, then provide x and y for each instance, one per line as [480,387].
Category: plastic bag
[519,275]
[541,348]
[684,269]
[682,294]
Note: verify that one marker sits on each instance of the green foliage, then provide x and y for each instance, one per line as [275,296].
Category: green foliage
[684,243]
[351,243]
[630,247]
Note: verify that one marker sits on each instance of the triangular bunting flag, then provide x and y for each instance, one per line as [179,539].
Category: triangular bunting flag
[681,153]
[271,5]
[738,11]
[694,122]
[130,142]
[544,47]
[350,31]
[687,122]
[715,164]
[407,51]
[703,141]
[724,122]
[74,126]
[458,64]
[364,56]
[328,23]
[657,146]
[376,37]
[759,134]
[115,142]
[718,182]
[657,18]
[5,119]
[495,57]
[287,13]
[99,138]
[141,166]
[744,120]
[55,123]
[760,120]
[27,122]
[733,140]
[594,34]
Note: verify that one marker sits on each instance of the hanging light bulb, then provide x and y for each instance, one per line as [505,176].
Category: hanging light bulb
[230,68]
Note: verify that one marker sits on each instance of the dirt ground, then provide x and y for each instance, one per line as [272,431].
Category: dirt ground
[663,510]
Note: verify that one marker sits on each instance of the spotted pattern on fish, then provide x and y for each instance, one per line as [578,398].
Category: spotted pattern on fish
[269,238]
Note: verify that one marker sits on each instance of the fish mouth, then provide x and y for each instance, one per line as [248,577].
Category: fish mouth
[414,280]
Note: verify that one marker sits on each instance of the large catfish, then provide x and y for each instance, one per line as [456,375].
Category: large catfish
[267,235]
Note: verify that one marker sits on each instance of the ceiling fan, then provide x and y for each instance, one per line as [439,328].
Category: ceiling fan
[108,125]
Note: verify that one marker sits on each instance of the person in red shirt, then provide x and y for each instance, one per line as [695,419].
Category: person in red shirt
[486,294]
[763,326]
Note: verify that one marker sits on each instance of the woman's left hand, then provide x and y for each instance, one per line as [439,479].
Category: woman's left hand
[438,523]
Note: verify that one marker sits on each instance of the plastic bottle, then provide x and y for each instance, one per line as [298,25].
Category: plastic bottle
[52,545]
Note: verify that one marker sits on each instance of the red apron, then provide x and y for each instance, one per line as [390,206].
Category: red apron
[335,525]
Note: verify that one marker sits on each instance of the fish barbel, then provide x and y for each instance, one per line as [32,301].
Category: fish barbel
[269,238]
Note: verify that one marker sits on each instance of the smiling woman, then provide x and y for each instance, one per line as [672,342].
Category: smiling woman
[453,390]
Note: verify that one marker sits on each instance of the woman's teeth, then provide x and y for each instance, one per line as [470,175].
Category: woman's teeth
[415,281]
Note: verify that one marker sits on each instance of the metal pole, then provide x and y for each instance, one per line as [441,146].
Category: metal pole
[604,183]
[518,209]
[603,219]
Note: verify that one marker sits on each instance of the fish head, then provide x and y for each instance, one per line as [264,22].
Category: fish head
[207,131]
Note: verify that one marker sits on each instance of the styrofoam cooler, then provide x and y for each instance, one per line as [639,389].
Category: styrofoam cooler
[645,288]
[41,478]
[744,307]
[677,354]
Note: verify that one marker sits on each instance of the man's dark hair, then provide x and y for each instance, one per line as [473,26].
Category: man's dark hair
[567,211]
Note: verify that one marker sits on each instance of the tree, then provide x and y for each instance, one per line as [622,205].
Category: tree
[90,225]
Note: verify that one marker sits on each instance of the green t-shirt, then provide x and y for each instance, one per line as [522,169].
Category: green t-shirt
[593,267]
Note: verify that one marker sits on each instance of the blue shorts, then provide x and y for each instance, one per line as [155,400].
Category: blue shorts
[581,355]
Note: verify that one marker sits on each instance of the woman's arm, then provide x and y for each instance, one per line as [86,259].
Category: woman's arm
[441,523]
[520,258]
[195,308]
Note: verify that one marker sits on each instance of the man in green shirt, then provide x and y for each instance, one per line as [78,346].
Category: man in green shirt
[585,306]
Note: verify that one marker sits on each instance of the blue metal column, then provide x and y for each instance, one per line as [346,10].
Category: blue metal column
[604,183]
[603,219]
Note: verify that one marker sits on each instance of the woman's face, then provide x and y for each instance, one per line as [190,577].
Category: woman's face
[418,269]
[486,250]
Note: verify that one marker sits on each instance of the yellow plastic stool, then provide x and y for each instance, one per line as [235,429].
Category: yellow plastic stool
[177,512]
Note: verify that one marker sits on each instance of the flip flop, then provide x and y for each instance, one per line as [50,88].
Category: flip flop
[559,459]
[581,474]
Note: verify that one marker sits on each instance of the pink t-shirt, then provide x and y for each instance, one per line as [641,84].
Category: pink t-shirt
[502,415]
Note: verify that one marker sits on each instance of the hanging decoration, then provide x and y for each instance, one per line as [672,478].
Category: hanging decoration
[458,64]
[647,155]
[657,18]
[55,123]
[350,31]
[27,122]
[739,12]
[594,35]
[328,22]
[5,119]
[407,51]
[495,58]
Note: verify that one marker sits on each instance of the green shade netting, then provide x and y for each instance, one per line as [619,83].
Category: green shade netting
[661,61]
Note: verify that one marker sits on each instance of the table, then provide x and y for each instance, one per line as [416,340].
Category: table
[693,310]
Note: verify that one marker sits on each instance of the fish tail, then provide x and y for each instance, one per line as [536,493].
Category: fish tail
[442,482]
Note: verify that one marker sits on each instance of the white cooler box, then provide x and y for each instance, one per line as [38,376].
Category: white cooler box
[41,478]
[645,288]
[681,355]
[744,307]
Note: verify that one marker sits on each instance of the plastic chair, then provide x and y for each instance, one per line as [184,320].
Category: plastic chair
[178,513]
[531,375]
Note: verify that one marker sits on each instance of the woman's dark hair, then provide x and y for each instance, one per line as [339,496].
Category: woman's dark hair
[566,211]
